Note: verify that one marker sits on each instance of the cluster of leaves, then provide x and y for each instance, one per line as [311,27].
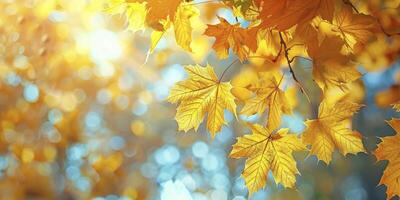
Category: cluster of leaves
[158,15]
[331,34]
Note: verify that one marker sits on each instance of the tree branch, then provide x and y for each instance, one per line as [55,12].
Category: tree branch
[205,2]
[348,2]
[289,62]
[226,69]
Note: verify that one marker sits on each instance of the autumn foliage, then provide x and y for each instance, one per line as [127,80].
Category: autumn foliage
[332,34]
[248,65]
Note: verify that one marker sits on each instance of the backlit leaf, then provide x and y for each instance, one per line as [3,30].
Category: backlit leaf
[331,130]
[202,93]
[267,151]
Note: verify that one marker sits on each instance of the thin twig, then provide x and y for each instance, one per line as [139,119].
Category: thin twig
[294,57]
[204,2]
[294,46]
[289,62]
[348,2]
[261,57]
[226,69]
[383,30]
[279,53]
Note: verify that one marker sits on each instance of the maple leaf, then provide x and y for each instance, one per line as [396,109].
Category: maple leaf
[355,29]
[269,45]
[331,130]
[232,36]
[389,149]
[307,33]
[182,25]
[267,151]
[330,67]
[202,92]
[268,95]
[284,14]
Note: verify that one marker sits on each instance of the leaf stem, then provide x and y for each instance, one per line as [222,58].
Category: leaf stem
[294,57]
[348,2]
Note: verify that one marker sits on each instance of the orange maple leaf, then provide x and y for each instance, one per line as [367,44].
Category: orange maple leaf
[232,36]
[389,150]
[285,14]
[159,10]
[355,29]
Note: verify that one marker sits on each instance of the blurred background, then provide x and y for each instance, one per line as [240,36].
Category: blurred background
[84,116]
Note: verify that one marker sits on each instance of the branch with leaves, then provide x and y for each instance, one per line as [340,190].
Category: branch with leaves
[331,34]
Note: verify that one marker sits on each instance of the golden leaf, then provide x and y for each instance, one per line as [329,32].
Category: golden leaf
[267,151]
[355,29]
[242,82]
[389,149]
[183,26]
[268,96]
[202,92]
[331,131]
[330,67]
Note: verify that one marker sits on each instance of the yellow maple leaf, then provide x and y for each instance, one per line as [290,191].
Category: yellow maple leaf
[330,67]
[331,75]
[267,151]
[232,36]
[355,29]
[268,96]
[331,131]
[183,26]
[202,92]
[389,149]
